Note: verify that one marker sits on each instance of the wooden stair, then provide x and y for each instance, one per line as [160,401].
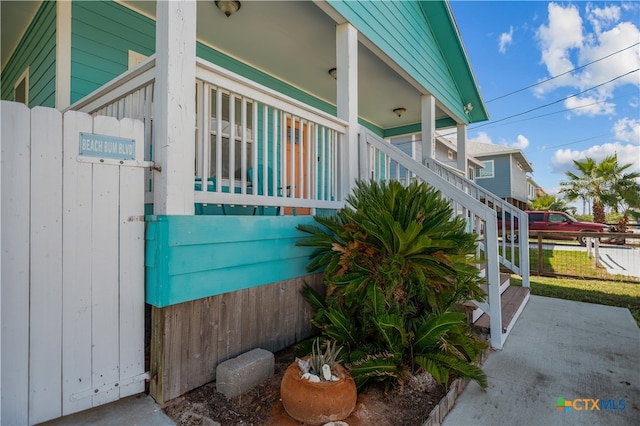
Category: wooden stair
[513,300]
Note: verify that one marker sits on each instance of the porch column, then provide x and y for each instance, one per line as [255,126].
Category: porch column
[462,148]
[63,54]
[428,103]
[347,100]
[174,107]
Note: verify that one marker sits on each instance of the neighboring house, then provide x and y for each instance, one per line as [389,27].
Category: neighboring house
[252,123]
[446,152]
[504,172]
[534,190]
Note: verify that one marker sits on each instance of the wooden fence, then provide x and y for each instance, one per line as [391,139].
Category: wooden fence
[72,289]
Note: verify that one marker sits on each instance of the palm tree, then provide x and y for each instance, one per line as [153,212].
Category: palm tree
[549,202]
[626,193]
[607,183]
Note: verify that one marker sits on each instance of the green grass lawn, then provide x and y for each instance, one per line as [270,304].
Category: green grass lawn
[625,295]
[562,262]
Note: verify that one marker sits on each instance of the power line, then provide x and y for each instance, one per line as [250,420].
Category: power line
[557,112]
[556,101]
[543,115]
[572,143]
[560,75]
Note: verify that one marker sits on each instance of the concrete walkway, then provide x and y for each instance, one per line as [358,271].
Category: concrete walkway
[560,349]
[140,410]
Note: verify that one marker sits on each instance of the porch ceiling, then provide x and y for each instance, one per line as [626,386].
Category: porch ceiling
[292,40]
[296,42]
[15,16]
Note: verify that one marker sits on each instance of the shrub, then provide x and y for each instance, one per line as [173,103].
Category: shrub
[396,264]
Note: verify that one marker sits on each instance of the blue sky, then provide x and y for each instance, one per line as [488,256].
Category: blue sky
[516,44]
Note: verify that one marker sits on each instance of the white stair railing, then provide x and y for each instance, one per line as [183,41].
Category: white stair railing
[514,244]
[380,160]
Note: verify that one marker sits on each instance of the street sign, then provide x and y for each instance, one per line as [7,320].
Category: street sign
[103,146]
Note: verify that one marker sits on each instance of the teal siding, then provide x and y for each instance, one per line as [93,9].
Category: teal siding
[102,33]
[36,50]
[191,257]
[411,33]
[207,53]
[500,183]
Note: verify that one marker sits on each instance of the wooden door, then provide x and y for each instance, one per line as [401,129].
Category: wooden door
[297,165]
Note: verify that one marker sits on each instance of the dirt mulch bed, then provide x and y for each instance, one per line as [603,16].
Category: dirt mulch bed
[408,405]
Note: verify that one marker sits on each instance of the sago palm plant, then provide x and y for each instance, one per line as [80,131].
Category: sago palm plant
[395,263]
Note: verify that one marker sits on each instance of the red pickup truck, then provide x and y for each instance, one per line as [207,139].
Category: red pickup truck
[554,221]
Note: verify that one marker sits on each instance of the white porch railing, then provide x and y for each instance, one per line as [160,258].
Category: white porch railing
[130,95]
[380,160]
[257,147]
[254,147]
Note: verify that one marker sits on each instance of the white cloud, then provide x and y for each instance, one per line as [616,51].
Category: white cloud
[588,105]
[627,130]
[567,42]
[521,143]
[563,33]
[483,137]
[562,160]
[504,40]
[599,17]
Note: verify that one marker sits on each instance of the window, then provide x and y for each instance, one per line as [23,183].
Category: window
[536,217]
[557,218]
[486,171]
[21,88]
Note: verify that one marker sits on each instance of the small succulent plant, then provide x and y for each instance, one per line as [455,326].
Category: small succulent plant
[320,364]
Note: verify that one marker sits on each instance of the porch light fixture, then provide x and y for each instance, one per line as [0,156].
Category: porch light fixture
[333,73]
[228,7]
[467,108]
[399,111]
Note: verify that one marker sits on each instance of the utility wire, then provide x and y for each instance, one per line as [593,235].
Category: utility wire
[543,115]
[560,75]
[560,112]
[556,101]
[571,143]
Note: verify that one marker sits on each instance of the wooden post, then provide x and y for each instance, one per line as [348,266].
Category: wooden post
[428,127]
[347,100]
[174,111]
[539,254]
[174,147]
[461,155]
[63,54]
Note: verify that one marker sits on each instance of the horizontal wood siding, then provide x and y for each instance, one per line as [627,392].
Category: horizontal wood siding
[519,183]
[500,183]
[403,32]
[190,339]
[102,33]
[36,50]
[191,257]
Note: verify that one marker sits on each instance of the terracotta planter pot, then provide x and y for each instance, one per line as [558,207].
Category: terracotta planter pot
[317,403]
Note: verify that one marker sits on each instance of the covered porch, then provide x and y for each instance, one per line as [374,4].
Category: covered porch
[253,126]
